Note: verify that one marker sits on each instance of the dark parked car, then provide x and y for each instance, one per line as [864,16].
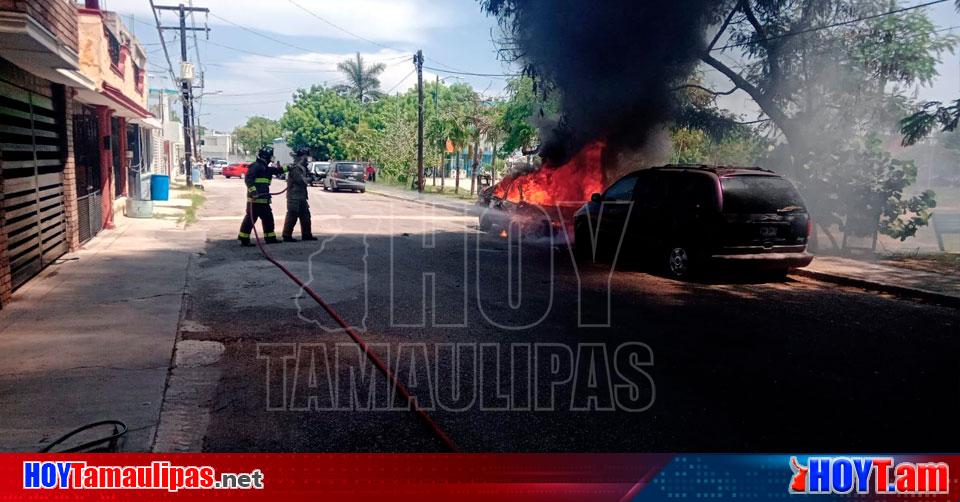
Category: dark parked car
[686,218]
[345,176]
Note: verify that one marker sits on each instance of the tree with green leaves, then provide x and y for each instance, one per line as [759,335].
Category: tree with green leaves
[395,147]
[518,111]
[828,91]
[256,132]
[363,81]
[929,116]
[317,119]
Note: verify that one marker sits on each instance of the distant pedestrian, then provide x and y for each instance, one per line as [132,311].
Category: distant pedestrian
[297,206]
[371,173]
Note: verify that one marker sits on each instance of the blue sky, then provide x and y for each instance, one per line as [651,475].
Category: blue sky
[255,75]
[452,34]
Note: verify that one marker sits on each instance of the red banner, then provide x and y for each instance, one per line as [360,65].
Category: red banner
[292,477]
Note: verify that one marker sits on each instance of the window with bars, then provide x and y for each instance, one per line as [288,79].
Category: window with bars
[113,46]
[138,75]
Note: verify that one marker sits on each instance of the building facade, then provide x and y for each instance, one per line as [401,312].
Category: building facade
[71,108]
[166,141]
[217,145]
[113,115]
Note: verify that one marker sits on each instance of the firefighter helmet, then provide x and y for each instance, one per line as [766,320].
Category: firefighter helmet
[265,154]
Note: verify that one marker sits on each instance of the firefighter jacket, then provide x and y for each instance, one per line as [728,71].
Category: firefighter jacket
[296,183]
[258,181]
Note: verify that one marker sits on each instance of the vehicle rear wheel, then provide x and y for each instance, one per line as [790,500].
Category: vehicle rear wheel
[680,262]
[363,190]
[581,244]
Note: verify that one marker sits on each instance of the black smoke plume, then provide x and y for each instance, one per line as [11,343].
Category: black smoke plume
[615,63]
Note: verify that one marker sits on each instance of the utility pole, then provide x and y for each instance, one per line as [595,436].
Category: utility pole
[186,81]
[436,116]
[418,61]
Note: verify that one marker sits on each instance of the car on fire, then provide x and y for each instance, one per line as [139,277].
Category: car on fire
[687,218]
[317,172]
[237,170]
[507,208]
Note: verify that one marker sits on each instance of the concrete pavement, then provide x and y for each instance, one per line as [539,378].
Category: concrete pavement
[737,363]
[92,337]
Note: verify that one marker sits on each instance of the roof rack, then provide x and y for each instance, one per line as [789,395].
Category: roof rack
[713,168]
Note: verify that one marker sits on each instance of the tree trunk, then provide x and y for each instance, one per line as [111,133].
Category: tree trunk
[443,172]
[493,165]
[476,165]
[456,176]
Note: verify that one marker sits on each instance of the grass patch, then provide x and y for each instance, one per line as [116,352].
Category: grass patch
[189,216]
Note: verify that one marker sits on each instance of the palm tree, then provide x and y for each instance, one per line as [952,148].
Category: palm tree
[362,82]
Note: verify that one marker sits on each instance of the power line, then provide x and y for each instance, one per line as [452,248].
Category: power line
[261,35]
[402,80]
[500,75]
[284,58]
[832,25]
[284,91]
[166,54]
[249,103]
[348,32]
[196,43]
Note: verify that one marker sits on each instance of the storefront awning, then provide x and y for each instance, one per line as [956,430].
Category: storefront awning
[116,100]
[148,123]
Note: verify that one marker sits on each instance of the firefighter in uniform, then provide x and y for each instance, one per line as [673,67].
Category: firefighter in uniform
[258,198]
[297,206]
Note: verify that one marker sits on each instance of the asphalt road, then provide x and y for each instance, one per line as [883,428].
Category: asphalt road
[730,365]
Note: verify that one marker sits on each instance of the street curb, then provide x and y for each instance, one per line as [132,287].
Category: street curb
[920,294]
[452,207]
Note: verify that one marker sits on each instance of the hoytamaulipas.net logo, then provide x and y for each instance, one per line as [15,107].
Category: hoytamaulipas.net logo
[871,475]
[159,475]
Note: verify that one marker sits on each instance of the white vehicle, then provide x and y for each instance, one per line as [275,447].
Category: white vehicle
[217,165]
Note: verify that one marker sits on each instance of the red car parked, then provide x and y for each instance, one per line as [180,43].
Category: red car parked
[238,170]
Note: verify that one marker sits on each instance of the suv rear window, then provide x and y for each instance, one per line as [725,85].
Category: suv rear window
[758,194]
[349,168]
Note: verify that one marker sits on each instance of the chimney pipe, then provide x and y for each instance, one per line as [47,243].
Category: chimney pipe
[92,4]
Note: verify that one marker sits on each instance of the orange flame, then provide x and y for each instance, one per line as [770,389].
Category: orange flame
[574,181]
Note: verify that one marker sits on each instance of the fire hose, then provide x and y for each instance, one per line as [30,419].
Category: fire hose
[371,355]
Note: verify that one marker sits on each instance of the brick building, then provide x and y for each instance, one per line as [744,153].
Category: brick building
[65,128]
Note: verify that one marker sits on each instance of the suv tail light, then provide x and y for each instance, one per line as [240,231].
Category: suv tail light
[809,226]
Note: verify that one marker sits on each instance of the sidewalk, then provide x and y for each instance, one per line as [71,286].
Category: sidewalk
[91,338]
[468,206]
[939,288]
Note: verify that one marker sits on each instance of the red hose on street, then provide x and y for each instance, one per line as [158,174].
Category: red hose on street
[374,358]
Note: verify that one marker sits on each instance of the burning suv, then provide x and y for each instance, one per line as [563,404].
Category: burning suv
[686,218]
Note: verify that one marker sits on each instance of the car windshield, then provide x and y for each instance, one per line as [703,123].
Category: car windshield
[350,168]
[759,194]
